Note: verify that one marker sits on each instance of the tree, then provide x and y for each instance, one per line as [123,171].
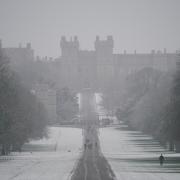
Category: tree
[173,123]
[21,115]
[67,105]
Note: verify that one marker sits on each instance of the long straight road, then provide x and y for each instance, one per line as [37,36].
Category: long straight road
[92,164]
[122,154]
[112,153]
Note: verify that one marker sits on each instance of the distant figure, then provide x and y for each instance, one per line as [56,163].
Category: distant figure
[90,146]
[85,146]
[55,147]
[87,140]
[161,160]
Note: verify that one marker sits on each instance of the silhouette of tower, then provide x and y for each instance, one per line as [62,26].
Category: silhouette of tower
[69,61]
[69,49]
[104,58]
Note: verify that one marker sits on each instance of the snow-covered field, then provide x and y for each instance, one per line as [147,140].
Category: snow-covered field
[134,156]
[47,159]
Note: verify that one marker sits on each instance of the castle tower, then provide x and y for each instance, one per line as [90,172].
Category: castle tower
[69,61]
[69,48]
[104,48]
[104,58]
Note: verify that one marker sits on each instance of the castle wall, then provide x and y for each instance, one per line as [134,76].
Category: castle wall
[79,68]
[19,55]
[101,67]
[129,63]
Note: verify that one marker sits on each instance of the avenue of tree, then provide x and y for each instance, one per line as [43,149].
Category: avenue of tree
[149,102]
[22,116]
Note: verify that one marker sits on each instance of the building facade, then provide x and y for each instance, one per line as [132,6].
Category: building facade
[100,67]
[47,96]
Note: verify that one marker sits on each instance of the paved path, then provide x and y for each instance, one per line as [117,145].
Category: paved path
[115,154]
[92,165]
[121,154]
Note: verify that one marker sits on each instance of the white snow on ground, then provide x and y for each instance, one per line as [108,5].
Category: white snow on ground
[134,156]
[48,164]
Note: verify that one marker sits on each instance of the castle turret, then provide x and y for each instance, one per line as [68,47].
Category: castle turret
[96,44]
[110,41]
[69,48]
[104,60]
[28,45]
[165,51]
[76,42]
[104,48]
[69,60]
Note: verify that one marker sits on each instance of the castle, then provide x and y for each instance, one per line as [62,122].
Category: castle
[19,55]
[78,69]
[99,68]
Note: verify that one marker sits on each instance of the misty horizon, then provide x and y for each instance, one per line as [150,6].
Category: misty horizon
[89,89]
[135,25]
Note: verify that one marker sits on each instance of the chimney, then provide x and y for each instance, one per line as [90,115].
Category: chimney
[63,38]
[109,38]
[165,51]
[20,46]
[152,51]
[97,38]
[75,38]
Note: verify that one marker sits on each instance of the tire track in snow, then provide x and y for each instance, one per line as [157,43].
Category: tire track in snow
[24,169]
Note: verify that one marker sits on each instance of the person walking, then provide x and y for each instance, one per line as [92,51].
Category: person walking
[85,145]
[161,160]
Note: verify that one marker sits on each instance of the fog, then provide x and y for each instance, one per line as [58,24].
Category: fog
[89,90]
[135,24]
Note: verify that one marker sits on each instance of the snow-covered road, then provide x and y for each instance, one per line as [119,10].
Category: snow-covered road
[134,156]
[47,164]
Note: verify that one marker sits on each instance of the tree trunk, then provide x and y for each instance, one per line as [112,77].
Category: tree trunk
[3,151]
[171,145]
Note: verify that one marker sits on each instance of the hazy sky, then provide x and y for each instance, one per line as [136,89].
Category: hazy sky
[134,24]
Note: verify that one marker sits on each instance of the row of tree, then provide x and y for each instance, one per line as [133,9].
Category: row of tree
[150,102]
[67,106]
[22,116]
[145,105]
[41,72]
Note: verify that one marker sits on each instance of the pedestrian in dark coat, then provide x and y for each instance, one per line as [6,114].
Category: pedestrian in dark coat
[161,160]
